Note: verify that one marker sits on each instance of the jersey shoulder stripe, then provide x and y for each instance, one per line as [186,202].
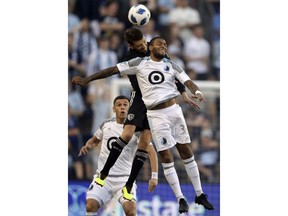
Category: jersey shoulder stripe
[107,120]
[135,61]
[176,67]
[166,60]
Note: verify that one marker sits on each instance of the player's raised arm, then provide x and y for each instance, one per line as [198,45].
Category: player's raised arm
[99,75]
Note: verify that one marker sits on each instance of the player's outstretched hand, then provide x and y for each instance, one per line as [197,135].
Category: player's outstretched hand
[152,184]
[188,100]
[79,80]
[199,96]
[84,150]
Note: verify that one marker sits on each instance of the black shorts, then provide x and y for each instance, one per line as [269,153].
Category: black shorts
[137,113]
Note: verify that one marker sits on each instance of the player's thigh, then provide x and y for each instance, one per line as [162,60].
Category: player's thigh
[101,194]
[129,208]
[179,127]
[161,126]
[145,139]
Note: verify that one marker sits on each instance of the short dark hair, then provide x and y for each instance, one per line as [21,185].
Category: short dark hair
[155,38]
[120,97]
[133,34]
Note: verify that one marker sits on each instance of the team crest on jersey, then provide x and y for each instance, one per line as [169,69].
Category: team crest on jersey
[130,117]
[164,141]
[166,68]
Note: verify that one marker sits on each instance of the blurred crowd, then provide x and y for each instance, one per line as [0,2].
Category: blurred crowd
[95,41]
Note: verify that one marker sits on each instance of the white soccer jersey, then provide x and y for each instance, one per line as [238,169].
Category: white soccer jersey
[108,132]
[156,79]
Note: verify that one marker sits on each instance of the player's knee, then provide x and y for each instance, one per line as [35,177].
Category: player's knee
[166,156]
[184,150]
[130,212]
[129,208]
[126,137]
[91,207]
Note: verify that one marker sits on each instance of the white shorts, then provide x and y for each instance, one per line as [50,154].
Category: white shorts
[168,127]
[112,188]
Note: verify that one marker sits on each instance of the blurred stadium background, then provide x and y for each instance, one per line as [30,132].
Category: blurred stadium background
[95,41]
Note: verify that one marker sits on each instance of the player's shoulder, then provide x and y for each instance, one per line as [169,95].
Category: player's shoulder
[136,61]
[167,60]
[174,65]
[108,121]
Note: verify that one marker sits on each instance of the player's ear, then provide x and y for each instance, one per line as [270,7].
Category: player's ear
[150,47]
[114,109]
[130,46]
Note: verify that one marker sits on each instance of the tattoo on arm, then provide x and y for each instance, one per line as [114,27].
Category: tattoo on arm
[103,73]
[191,86]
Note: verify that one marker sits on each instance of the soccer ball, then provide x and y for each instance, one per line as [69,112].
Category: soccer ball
[139,15]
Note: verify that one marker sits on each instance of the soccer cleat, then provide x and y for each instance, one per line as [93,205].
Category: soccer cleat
[126,195]
[183,206]
[202,200]
[99,181]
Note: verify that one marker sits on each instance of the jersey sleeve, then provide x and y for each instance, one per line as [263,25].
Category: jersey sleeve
[99,132]
[180,74]
[129,67]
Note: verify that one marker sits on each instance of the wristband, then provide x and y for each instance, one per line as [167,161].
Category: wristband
[198,92]
[154,175]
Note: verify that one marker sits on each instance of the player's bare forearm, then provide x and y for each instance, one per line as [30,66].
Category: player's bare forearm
[99,75]
[191,86]
[194,89]
[153,158]
[103,74]
[153,182]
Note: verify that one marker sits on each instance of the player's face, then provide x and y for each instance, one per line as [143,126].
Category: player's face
[121,107]
[140,46]
[159,48]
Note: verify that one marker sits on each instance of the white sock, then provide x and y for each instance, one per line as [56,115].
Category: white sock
[172,178]
[91,213]
[193,173]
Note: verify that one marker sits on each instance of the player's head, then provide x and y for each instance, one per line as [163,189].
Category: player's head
[120,107]
[158,47]
[135,39]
